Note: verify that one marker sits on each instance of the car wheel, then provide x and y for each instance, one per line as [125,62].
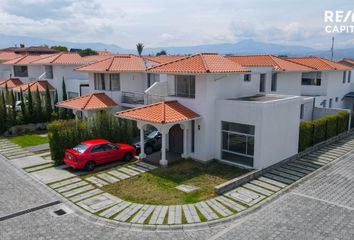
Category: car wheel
[128,156]
[149,150]
[90,166]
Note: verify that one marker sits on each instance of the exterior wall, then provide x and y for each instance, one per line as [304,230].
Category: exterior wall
[5,71]
[288,83]
[276,127]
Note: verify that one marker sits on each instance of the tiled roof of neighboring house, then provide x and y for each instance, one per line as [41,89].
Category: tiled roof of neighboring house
[5,56]
[25,59]
[161,112]
[102,53]
[10,83]
[318,63]
[96,58]
[34,85]
[117,63]
[61,58]
[88,102]
[346,60]
[268,61]
[200,63]
[163,58]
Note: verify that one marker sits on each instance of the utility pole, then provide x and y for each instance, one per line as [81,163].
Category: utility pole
[332,49]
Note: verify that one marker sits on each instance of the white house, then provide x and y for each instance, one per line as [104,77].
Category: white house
[5,70]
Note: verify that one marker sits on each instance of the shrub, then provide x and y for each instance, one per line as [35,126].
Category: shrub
[318,130]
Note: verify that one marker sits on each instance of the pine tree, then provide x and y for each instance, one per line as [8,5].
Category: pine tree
[48,103]
[38,106]
[13,107]
[23,108]
[31,114]
[63,114]
[3,118]
[56,109]
[7,95]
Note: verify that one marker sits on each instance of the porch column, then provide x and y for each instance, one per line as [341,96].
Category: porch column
[142,150]
[185,140]
[163,161]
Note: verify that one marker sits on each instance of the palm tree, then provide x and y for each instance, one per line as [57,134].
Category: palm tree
[140,48]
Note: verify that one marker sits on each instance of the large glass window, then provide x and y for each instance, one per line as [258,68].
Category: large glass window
[48,72]
[274,83]
[99,81]
[262,82]
[114,82]
[185,86]
[21,71]
[312,78]
[344,76]
[238,143]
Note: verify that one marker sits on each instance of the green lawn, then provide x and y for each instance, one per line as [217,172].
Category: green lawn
[158,186]
[30,140]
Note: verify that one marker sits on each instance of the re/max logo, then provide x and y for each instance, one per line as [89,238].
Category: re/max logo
[338,16]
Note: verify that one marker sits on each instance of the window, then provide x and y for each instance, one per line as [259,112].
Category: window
[312,79]
[238,143]
[185,86]
[21,71]
[262,81]
[336,99]
[111,146]
[247,77]
[330,103]
[349,76]
[114,82]
[99,148]
[152,78]
[48,72]
[99,81]
[273,87]
[302,111]
[344,76]
[324,103]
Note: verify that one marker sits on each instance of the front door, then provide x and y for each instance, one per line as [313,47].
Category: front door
[176,139]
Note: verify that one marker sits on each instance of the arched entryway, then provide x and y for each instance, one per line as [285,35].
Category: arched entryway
[175,137]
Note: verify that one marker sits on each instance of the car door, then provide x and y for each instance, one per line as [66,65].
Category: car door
[98,153]
[112,152]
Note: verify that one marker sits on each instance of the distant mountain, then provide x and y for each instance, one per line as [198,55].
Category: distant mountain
[240,48]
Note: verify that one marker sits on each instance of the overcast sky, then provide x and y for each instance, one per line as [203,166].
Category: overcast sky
[173,23]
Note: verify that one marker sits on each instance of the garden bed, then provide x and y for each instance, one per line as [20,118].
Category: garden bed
[159,185]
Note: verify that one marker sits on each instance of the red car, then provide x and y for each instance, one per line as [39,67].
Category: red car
[90,153]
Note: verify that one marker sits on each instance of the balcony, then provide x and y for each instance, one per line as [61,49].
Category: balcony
[132,99]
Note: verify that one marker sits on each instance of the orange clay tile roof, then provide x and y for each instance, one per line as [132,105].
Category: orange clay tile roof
[34,85]
[163,58]
[10,83]
[346,60]
[26,59]
[268,61]
[96,58]
[117,63]
[318,63]
[88,102]
[62,58]
[161,112]
[6,56]
[200,63]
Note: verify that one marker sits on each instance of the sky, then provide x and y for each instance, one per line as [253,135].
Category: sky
[164,23]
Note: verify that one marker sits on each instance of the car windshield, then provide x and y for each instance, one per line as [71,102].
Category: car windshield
[151,135]
[81,148]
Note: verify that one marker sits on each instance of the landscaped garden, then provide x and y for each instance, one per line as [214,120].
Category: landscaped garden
[159,186]
[29,140]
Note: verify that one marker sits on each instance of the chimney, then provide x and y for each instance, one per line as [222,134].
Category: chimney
[22,45]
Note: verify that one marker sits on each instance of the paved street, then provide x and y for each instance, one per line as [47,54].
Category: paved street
[319,208]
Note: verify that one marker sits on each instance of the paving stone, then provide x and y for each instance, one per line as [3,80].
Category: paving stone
[128,171]
[272,182]
[285,175]
[296,169]
[128,212]
[155,215]
[316,160]
[266,185]
[143,214]
[96,181]
[187,188]
[162,215]
[305,163]
[78,190]
[138,168]
[291,172]
[107,177]
[54,174]
[40,167]
[18,156]
[258,189]
[278,178]
[71,186]
[146,165]
[85,195]
[230,204]
[175,214]
[190,213]
[320,164]
[13,151]
[44,154]
[115,209]
[99,202]
[65,182]
[118,174]
[218,207]
[206,211]
[36,148]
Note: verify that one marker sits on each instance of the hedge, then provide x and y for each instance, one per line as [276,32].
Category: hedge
[64,134]
[318,130]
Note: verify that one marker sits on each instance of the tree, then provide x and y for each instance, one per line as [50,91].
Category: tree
[23,107]
[60,48]
[140,48]
[30,106]
[63,114]
[56,109]
[87,52]
[48,103]
[13,107]
[3,117]
[162,52]
[38,106]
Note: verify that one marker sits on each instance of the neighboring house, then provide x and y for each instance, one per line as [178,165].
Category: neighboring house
[9,83]
[5,70]
[41,85]
[212,110]
[53,68]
